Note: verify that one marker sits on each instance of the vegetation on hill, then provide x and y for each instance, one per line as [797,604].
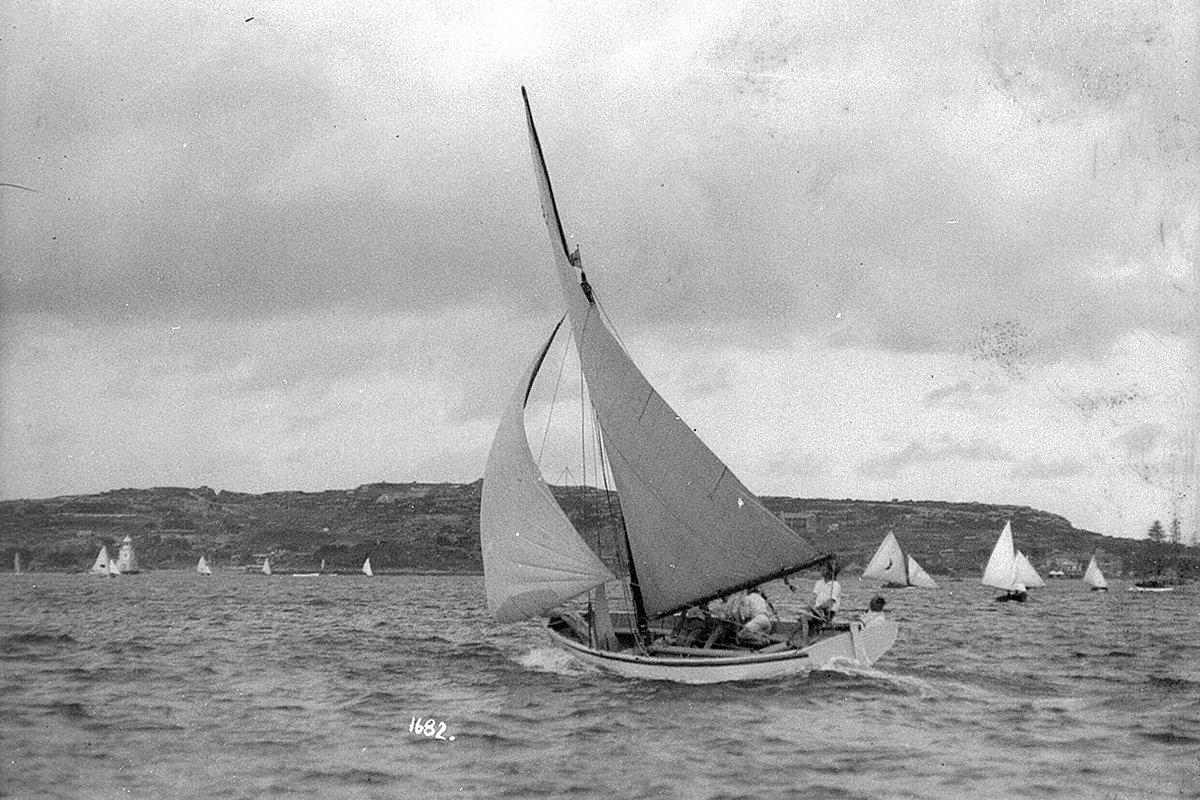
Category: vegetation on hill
[434,527]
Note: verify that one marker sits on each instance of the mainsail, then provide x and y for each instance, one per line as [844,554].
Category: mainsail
[1026,574]
[202,567]
[100,565]
[266,567]
[694,531]
[533,558]
[1093,576]
[888,564]
[366,568]
[1001,569]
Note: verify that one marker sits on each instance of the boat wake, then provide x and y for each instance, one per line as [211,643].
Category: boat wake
[902,683]
[550,659]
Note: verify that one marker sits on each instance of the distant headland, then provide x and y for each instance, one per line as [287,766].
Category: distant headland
[434,527]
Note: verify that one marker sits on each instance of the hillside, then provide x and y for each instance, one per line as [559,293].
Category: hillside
[434,527]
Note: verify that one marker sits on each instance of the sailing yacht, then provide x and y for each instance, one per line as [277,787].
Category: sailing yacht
[266,567]
[366,568]
[897,571]
[127,562]
[1094,578]
[693,532]
[17,563]
[1002,570]
[202,567]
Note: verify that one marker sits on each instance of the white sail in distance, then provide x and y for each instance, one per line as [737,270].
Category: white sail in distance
[1093,576]
[888,563]
[1001,569]
[366,568]
[100,565]
[917,576]
[1026,574]
[202,567]
[266,567]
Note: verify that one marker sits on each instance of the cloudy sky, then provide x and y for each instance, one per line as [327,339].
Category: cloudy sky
[868,250]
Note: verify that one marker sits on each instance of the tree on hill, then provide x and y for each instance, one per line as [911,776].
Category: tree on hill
[1156,534]
[1176,531]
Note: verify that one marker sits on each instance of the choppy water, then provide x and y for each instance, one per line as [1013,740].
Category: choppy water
[170,685]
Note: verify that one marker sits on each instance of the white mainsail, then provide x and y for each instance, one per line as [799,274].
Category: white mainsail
[1093,576]
[1026,574]
[888,563]
[366,568]
[533,558]
[202,567]
[266,567]
[1001,569]
[917,576]
[100,565]
[17,563]
[126,559]
[695,532]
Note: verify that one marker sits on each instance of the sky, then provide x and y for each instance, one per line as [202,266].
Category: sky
[867,250]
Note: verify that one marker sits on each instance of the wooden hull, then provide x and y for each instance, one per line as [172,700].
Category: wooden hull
[859,646]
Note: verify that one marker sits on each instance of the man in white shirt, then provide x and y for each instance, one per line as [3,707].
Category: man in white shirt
[827,599]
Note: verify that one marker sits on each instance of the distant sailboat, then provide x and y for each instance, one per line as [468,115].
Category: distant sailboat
[127,563]
[102,565]
[366,568]
[266,567]
[1026,574]
[897,571]
[1001,570]
[1094,578]
[17,563]
[322,565]
[202,567]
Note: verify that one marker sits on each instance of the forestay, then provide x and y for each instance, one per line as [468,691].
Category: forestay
[694,530]
[533,558]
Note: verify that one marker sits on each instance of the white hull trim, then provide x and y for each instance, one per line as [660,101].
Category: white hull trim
[859,647]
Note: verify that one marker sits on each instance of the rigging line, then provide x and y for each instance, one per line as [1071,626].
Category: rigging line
[624,557]
[553,398]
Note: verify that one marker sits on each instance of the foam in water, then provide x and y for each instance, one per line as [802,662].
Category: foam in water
[549,659]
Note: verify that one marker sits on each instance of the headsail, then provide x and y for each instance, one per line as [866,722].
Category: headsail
[917,576]
[1001,569]
[533,558]
[888,563]
[1026,574]
[1094,577]
[694,530]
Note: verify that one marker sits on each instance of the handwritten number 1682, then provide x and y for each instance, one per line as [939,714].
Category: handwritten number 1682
[429,727]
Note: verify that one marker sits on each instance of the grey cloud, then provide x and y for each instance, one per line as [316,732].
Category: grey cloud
[920,453]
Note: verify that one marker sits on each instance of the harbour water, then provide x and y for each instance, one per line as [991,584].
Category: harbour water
[174,685]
